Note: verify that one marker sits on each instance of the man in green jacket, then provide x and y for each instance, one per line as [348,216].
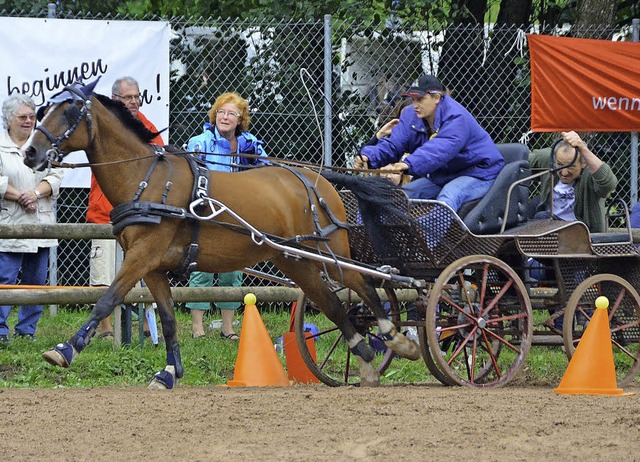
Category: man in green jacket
[579,190]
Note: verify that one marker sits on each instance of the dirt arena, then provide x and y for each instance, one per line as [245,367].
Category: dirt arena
[317,423]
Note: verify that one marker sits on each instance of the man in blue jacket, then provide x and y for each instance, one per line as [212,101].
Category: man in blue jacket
[451,157]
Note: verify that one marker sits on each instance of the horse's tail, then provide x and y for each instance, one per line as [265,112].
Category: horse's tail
[379,202]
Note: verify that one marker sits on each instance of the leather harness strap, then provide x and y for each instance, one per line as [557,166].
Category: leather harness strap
[144,212]
[312,191]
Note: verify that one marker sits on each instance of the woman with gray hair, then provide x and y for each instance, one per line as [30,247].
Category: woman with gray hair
[26,197]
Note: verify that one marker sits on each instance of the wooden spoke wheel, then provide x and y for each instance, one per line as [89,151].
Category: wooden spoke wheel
[334,364]
[479,322]
[429,360]
[624,314]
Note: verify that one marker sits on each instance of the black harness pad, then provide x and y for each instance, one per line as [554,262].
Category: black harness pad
[143,212]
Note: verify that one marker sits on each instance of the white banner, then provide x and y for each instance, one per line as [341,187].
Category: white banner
[40,56]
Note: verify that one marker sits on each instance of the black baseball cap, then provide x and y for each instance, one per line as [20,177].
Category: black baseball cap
[423,85]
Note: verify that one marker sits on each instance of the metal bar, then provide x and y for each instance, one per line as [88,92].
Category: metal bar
[269,277]
[328,66]
[633,182]
[260,238]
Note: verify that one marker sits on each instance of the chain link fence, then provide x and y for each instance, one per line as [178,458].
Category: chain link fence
[319,90]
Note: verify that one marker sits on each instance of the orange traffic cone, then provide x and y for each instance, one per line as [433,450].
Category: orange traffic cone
[591,370]
[258,364]
[297,370]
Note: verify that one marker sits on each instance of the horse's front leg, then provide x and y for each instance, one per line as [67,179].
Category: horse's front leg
[64,353]
[158,284]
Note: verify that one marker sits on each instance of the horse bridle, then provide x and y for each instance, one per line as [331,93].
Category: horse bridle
[55,154]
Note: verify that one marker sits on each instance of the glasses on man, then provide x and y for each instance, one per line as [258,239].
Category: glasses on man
[222,112]
[24,118]
[129,98]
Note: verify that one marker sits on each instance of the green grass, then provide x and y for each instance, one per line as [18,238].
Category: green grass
[207,361]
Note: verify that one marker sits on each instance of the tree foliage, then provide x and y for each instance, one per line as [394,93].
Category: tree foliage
[449,12]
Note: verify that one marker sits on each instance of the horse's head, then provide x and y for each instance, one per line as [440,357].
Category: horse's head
[65,126]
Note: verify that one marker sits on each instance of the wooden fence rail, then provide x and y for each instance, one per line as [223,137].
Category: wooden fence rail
[75,231]
[90,295]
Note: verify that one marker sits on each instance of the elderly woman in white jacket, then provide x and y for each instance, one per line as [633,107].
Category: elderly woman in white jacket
[26,197]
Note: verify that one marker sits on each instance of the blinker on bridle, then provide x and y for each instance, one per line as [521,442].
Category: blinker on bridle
[74,117]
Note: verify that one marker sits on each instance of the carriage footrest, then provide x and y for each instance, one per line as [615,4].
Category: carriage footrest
[609,238]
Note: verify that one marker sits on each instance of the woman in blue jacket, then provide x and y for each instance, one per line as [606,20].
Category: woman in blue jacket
[451,157]
[223,138]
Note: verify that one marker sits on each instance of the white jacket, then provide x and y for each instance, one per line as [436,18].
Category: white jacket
[14,172]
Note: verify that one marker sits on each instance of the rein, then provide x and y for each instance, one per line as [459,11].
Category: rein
[55,155]
[276,160]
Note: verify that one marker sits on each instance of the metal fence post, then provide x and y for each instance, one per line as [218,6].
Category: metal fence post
[328,71]
[633,180]
[53,263]
[118,339]
[53,251]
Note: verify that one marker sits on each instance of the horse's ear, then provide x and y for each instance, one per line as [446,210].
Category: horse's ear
[88,89]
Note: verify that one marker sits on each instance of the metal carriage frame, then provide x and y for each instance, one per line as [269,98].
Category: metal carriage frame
[477,308]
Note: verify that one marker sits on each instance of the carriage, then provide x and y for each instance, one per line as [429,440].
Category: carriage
[493,282]
[472,273]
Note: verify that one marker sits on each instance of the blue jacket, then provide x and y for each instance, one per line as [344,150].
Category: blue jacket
[211,143]
[458,146]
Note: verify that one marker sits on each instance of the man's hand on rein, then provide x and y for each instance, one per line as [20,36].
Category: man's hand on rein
[394,172]
[360,162]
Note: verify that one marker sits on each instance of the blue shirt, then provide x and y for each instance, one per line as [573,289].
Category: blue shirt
[634,216]
[210,144]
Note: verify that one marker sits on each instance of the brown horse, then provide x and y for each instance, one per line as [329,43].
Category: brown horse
[153,189]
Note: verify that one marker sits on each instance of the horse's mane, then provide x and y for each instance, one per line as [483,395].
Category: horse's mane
[123,114]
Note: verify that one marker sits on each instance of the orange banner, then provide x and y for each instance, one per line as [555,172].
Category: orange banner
[584,84]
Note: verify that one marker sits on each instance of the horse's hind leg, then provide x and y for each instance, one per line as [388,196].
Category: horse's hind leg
[307,276]
[159,286]
[393,339]
[363,286]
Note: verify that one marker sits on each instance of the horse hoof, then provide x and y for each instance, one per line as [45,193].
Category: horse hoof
[156,385]
[404,347]
[61,355]
[369,377]
[163,380]
[369,383]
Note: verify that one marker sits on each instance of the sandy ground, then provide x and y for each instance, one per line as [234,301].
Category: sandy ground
[317,423]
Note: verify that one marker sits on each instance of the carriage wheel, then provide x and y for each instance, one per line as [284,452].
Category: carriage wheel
[428,358]
[334,364]
[624,314]
[479,322]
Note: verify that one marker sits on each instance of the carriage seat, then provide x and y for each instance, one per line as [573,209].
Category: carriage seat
[485,215]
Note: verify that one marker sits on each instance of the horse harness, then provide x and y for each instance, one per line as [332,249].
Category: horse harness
[74,116]
[139,212]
